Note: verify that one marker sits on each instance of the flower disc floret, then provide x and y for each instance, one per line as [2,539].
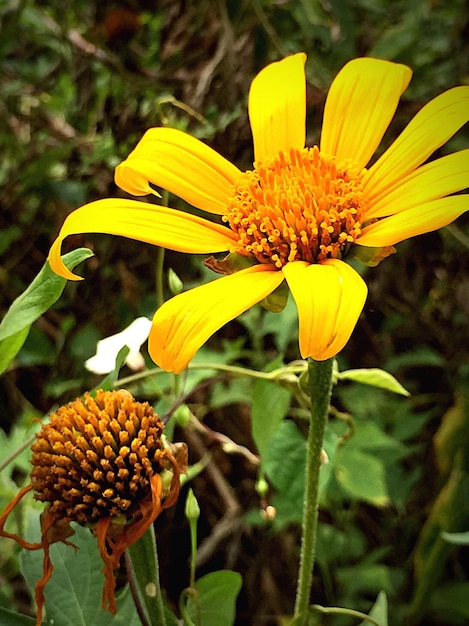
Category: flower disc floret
[300,206]
[96,456]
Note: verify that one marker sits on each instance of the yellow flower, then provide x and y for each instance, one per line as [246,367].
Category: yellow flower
[299,212]
[100,462]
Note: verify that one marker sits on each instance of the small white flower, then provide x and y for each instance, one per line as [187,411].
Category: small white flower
[104,361]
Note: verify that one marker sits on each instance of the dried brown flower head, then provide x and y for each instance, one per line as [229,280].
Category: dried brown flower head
[101,462]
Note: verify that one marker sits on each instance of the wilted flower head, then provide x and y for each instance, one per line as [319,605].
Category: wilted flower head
[100,462]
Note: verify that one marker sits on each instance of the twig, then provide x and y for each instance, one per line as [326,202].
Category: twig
[133,589]
[229,446]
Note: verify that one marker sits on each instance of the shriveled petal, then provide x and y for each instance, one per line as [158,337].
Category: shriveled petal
[184,323]
[415,221]
[150,223]
[359,107]
[277,107]
[433,125]
[429,182]
[183,165]
[329,297]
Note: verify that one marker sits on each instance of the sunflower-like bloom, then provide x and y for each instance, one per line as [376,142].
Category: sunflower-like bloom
[100,462]
[299,212]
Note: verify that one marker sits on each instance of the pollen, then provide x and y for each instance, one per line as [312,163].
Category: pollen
[301,206]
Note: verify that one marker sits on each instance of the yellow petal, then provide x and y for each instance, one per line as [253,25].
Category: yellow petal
[277,107]
[415,221]
[184,323]
[329,297]
[433,125]
[431,181]
[150,223]
[359,107]
[183,165]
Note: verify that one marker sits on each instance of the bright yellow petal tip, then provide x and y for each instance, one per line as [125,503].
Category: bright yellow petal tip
[150,223]
[360,105]
[430,129]
[184,323]
[277,107]
[330,297]
[415,221]
[180,163]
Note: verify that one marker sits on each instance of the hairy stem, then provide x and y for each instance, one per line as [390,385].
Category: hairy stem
[320,382]
[144,560]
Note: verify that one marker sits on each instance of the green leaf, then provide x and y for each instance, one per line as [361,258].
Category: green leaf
[418,357]
[73,594]
[450,603]
[314,12]
[368,577]
[109,383]
[395,41]
[15,448]
[283,326]
[7,618]
[346,16]
[41,294]
[376,378]
[171,619]
[369,436]
[10,346]
[379,611]
[217,598]
[270,405]
[361,476]
[285,466]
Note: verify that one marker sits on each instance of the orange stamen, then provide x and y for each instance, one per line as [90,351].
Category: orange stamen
[298,206]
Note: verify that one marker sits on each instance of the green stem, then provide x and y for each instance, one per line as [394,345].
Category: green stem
[337,610]
[159,276]
[11,457]
[320,382]
[183,609]
[144,557]
[290,369]
[159,273]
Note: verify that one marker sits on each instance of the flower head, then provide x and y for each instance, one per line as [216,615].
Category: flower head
[299,212]
[100,462]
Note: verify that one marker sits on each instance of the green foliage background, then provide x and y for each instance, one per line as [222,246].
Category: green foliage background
[80,83]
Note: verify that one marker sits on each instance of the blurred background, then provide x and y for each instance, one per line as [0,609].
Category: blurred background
[80,82]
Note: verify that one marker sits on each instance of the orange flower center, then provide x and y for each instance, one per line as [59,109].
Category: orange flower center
[301,206]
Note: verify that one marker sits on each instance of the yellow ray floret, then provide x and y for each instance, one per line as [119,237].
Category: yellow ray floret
[145,222]
[184,323]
